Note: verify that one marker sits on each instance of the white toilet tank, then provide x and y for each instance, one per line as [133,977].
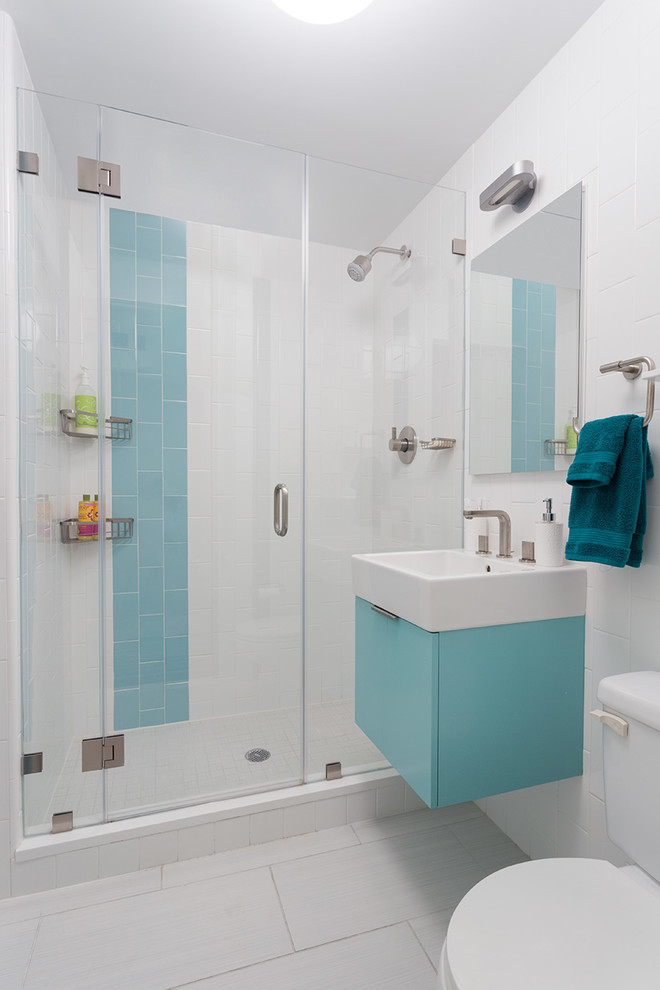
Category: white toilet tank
[631,765]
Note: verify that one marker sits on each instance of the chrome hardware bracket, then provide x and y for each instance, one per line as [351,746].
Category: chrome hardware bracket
[28,162]
[102,753]
[32,763]
[632,369]
[99,177]
[333,771]
[62,822]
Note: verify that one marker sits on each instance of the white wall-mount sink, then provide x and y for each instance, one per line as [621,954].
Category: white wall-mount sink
[440,590]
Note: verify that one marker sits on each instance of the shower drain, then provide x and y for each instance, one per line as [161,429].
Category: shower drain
[257,755]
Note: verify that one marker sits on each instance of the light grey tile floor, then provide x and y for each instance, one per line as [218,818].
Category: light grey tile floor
[362,907]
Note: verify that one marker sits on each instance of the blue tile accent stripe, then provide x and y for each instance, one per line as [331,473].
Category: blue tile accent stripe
[532,374]
[149,473]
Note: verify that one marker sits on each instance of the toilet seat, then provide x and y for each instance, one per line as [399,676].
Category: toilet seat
[573,924]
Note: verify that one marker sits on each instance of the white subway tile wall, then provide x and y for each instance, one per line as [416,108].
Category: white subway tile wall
[591,115]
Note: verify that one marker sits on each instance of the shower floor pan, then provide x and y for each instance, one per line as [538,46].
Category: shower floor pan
[188,763]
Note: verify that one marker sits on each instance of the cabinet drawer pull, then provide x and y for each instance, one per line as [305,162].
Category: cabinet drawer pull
[383,611]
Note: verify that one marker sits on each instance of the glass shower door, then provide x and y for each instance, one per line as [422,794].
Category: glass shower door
[203,335]
[59,461]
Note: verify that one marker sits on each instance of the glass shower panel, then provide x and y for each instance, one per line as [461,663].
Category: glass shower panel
[383,352]
[58,315]
[203,266]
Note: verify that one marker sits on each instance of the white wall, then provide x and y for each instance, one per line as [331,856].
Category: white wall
[592,114]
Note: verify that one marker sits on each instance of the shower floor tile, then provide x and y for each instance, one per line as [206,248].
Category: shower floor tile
[185,763]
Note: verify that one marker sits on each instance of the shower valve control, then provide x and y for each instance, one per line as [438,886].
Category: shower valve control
[405,444]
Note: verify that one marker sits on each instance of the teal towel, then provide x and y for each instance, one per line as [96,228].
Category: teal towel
[612,464]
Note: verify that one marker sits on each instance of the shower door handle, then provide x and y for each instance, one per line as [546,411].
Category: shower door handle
[281,509]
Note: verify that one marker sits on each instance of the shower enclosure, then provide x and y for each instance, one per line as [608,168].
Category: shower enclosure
[195,640]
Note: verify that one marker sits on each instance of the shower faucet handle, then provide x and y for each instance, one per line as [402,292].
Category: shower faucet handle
[402,444]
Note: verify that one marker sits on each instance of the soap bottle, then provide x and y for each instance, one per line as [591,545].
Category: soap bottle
[94,513]
[85,518]
[549,539]
[85,405]
[571,435]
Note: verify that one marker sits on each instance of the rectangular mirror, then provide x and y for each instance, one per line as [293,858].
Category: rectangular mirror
[524,343]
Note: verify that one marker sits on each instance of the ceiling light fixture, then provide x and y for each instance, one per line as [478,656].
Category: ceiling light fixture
[513,188]
[322,11]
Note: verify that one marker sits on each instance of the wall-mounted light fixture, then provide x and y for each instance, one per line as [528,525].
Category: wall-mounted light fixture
[514,188]
[322,11]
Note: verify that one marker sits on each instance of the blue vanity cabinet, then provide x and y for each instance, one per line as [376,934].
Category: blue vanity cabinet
[471,712]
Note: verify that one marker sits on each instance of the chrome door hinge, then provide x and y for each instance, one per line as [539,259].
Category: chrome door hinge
[102,753]
[459,246]
[332,771]
[62,821]
[27,161]
[99,177]
[32,763]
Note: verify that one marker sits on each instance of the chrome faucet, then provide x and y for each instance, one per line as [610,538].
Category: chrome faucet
[505,526]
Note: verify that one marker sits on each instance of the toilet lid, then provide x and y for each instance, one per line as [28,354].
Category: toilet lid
[573,924]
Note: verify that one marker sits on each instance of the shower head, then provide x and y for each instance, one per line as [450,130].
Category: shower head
[360,267]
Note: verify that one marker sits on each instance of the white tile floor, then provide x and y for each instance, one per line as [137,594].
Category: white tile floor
[361,907]
[167,766]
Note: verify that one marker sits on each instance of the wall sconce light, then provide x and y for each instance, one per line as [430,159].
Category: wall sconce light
[513,188]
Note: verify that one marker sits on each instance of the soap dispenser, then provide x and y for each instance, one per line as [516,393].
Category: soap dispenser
[549,539]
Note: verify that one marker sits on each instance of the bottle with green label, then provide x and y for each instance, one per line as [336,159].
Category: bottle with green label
[85,405]
[571,435]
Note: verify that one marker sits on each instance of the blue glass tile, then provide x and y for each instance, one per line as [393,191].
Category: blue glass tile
[519,365]
[124,471]
[152,673]
[518,464]
[124,507]
[518,401]
[533,311]
[518,440]
[175,472]
[150,399]
[123,373]
[533,456]
[548,407]
[533,422]
[127,709]
[549,299]
[535,287]
[125,617]
[150,495]
[148,251]
[150,543]
[174,329]
[148,290]
[176,613]
[176,703]
[152,696]
[533,382]
[519,327]
[519,293]
[124,567]
[175,518]
[533,348]
[176,658]
[122,274]
[148,220]
[122,323]
[174,376]
[122,229]
[152,646]
[174,281]
[149,314]
[174,237]
[151,591]
[176,566]
[150,447]
[549,332]
[175,424]
[153,716]
[547,373]
[149,350]
[125,666]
